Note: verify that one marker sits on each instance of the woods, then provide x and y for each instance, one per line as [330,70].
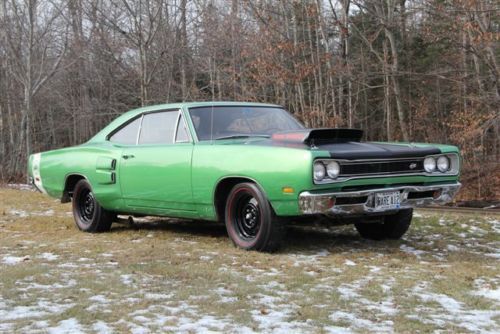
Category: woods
[401,70]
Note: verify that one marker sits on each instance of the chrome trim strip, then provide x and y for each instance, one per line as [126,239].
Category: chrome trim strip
[321,203]
[386,160]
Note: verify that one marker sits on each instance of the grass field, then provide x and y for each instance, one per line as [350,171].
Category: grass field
[168,275]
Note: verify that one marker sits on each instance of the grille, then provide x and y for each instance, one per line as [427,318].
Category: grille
[406,166]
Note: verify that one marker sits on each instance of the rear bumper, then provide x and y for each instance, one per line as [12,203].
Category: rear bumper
[363,201]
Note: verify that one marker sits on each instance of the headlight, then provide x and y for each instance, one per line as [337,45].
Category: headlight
[333,169]
[443,164]
[430,164]
[319,171]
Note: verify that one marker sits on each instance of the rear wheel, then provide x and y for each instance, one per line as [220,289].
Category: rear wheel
[390,227]
[88,214]
[250,221]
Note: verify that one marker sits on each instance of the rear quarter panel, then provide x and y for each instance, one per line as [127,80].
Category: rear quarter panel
[92,161]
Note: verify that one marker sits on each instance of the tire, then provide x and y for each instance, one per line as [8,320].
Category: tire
[88,214]
[391,227]
[250,221]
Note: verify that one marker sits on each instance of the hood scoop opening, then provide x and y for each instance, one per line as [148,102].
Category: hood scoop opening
[319,136]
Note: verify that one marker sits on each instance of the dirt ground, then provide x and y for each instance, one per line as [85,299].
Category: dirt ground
[180,276]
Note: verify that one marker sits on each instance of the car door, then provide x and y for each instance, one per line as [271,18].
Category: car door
[155,174]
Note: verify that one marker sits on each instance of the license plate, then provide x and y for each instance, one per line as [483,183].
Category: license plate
[388,200]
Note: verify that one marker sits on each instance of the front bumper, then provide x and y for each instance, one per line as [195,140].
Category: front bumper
[363,201]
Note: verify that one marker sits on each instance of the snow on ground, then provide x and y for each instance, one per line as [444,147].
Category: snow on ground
[40,309]
[12,260]
[359,323]
[68,326]
[48,256]
[19,213]
[454,312]
[21,186]
[338,283]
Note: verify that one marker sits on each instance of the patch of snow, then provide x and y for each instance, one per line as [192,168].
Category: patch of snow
[158,296]
[274,321]
[206,324]
[337,330]
[41,309]
[21,186]
[273,285]
[348,291]
[101,327]
[301,259]
[13,260]
[19,213]
[385,326]
[411,250]
[472,320]
[69,326]
[488,293]
[349,263]
[452,248]
[99,299]
[47,213]
[48,256]
[126,279]
[477,230]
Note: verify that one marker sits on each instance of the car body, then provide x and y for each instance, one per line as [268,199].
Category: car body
[184,160]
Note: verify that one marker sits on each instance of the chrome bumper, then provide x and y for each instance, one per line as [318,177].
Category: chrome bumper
[363,201]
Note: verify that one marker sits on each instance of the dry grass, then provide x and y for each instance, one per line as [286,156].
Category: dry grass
[170,275]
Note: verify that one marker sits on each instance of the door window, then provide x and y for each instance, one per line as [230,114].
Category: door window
[128,134]
[158,128]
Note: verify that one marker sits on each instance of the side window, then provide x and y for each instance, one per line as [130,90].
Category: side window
[182,135]
[128,134]
[158,128]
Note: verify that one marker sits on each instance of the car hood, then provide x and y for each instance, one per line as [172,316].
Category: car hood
[370,150]
[345,144]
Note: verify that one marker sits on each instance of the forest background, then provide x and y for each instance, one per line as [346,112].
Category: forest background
[401,70]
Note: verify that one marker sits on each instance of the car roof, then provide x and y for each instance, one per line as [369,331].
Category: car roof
[201,104]
[101,135]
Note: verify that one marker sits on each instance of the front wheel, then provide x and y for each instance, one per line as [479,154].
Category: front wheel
[250,220]
[391,227]
[88,214]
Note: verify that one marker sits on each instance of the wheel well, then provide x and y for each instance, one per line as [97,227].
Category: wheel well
[69,186]
[222,191]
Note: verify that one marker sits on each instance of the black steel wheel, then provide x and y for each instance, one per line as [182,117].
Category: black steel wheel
[250,221]
[392,226]
[88,214]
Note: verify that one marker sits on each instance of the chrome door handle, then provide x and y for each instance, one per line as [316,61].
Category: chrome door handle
[128,156]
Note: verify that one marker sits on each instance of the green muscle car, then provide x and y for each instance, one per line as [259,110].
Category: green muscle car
[249,165]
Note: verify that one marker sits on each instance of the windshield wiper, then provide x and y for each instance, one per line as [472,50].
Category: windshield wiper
[241,136]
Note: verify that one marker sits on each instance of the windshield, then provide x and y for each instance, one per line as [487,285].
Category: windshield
[221,122]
